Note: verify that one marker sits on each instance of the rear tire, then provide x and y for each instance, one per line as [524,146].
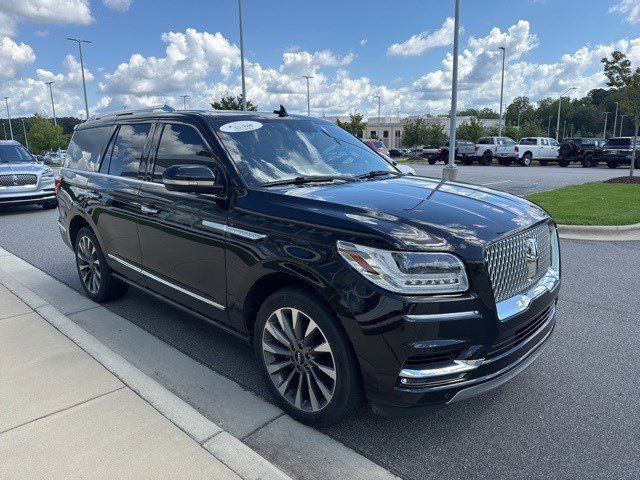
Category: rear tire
[612,164]
[432,161]
[486,159]
[587,161]
[313,374]
[525,161]
[95,275]
[563,163]
[505,162]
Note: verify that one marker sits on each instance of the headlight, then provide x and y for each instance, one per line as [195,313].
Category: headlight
[407,272]
[48,173]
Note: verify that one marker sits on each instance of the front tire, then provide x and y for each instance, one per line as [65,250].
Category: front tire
[587,161]
[612,164]
[306,359]
[563,163]
[432,161]
[95,275]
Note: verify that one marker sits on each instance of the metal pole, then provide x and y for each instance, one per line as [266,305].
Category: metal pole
[615,120]
[184,101]
[519,120]
[308,95]
[564,129]
[4,128]
[450,172]
[53,107]
[244,85]
[379,120]
[549,126]
[621,123]
[571,130]
[84,83]
[558,122]
[24,130]
[606,117]
[501,92]
[6,101]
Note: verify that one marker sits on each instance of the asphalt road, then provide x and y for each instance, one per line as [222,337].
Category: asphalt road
[522,180]
[573,414]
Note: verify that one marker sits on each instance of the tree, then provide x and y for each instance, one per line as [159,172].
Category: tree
[620,76]
[520,106]
[471,130]
[418,132]
[435,135]
[355,126]
[44,135]
[232,103]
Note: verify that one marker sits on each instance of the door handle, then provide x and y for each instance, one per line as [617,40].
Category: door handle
[149,210]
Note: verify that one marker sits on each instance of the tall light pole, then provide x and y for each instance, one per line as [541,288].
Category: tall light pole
[244,85]
[184,101]
[621,124]
[450,172]
[549,126]
[308,95]
[6,101]
[564,129]
[24,131]
[84,83]
[615,120]
[53,107]
[504,52]
[559,106]
[606,117]
[379,119]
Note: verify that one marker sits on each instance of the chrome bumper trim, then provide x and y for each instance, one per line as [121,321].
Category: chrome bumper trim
[443,316]
[62,227]
[521,302]
[457,366]
[16,200]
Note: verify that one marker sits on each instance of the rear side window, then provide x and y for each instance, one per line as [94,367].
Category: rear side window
[485,141]
[528,141]
[127,149]
[86,148]
[180,145]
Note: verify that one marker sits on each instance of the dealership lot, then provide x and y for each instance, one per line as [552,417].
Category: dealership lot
[573,414]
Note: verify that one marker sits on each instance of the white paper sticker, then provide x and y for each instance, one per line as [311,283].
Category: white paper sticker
[242,126]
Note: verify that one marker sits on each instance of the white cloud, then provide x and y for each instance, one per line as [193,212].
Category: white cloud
[630,8]
[42,33]
[7,25]
[118,5]
[13,56]
[363,42]
[59,12]
[425,41]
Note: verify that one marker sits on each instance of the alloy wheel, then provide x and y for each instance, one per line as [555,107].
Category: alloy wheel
[89,264]
[299,359]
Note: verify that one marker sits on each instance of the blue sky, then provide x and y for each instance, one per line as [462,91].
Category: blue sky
[344,44]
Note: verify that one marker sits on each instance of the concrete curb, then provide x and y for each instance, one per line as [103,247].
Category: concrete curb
[604,233]
[237,456]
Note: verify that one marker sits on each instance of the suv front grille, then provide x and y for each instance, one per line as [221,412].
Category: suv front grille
[18,180]
[510,263]
[521,334]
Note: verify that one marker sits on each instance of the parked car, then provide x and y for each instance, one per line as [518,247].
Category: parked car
[464,150]
[429,152]
[22,179]
[542,149]
[397,153]
[587,151]
[486,148]
[350,279]
[617,151]
[377,146]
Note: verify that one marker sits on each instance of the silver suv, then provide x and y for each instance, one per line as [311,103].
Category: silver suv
[22,179]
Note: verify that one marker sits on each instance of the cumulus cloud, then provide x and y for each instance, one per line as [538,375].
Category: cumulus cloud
[13,56]
[363,42]
[7,25]
[59,12]
[118,5]
[425,41]
[629,8]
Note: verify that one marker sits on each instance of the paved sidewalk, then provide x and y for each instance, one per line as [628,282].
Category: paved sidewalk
[63,415]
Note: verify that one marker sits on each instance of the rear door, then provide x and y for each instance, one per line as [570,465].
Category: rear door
[182,236]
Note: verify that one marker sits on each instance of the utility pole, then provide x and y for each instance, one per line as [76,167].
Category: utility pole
[84,83]
[504,51]
[559,106]
[606,117]
[6,101]
[244,85]
[26,140]
[53,107]
[450,172]
[615,120]
[184,101]
[549,126]
[308,95]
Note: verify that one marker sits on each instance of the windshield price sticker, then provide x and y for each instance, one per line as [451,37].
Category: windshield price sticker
[243,126]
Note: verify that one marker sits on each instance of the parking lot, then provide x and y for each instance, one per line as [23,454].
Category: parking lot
[573,414]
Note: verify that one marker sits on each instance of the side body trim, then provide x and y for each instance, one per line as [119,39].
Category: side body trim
[238,232]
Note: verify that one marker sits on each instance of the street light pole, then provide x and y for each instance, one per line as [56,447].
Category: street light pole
[184,101]
[501,92]
[308,95]
[53,107]
[615,120]
[6,101]
[559,106]
[24,131]
[564,129]
[621,123]
[606,117]
[549,126]
[244,85]
[84,83]
[450,172]
[379,119]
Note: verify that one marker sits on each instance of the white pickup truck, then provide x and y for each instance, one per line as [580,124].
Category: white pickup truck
[542,149]
[487,147]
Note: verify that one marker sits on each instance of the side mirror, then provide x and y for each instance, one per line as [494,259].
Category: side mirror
[190,179]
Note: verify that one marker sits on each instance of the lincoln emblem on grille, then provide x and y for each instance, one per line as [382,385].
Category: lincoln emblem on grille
[533,255]
[15,180]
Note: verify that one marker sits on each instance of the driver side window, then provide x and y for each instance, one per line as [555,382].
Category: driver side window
[180,145]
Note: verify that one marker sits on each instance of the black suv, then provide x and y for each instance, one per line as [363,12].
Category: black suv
[350,279]
[587,151]
[618,151]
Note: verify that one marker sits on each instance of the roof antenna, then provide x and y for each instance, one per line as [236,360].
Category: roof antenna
[282,112]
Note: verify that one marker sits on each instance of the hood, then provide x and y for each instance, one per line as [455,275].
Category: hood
[414,212]
[26,167]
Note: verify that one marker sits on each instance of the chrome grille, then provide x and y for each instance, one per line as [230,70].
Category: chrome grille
[507,264]
[18,180]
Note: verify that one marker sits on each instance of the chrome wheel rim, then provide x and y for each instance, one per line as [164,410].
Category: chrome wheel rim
[299,359]
[89,264]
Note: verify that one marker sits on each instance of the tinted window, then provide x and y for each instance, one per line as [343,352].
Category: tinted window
[14,154]
[127,149]
[528,141]
[180,145]
[86,147]
[486,141]
[619,143]
[553,142]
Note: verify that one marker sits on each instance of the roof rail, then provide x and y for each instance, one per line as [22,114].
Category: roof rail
[131,111]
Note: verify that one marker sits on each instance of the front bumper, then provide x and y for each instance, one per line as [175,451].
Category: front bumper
[24,198]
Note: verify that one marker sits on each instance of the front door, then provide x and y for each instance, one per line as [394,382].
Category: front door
[182,258]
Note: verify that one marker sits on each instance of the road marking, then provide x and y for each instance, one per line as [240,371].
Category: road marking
[495,183]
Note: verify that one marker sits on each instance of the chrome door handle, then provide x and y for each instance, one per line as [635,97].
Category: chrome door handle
[149,210]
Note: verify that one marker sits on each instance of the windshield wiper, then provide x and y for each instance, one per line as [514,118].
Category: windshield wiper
[308,179]
[379,173]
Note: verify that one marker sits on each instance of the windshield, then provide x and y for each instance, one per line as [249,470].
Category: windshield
[282,149]
[15,154]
